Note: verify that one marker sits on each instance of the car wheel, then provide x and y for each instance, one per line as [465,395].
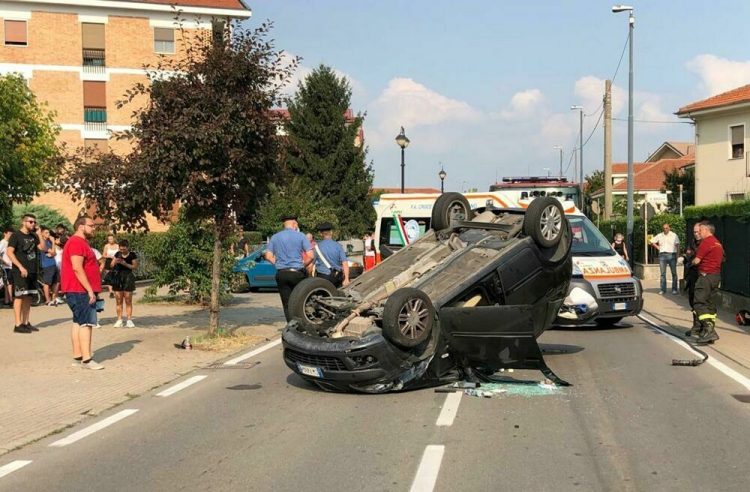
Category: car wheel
[408,317]
[449,207]
[608,321]
[544,221]
[303,305]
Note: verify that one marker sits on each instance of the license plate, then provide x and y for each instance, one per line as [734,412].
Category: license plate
[315,372]
[620,306]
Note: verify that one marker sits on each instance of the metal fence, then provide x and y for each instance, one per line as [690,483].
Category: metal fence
[734,235]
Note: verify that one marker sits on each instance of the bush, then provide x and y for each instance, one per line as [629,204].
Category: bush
[740,208]
[610,227]
[182,259]
[45,216]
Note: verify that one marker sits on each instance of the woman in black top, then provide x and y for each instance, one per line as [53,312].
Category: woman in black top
[123,265]
[619,246]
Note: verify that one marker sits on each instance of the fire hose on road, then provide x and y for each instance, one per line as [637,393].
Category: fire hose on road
[678,362]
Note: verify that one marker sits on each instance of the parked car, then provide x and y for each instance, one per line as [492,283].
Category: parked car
[261,274]
[466,299]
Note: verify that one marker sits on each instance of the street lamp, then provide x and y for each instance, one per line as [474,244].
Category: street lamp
[561,153]
[402,142]
[442,174]
[629,226]
[580,155]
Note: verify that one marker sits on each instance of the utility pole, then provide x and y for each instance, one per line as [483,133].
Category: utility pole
[607,150]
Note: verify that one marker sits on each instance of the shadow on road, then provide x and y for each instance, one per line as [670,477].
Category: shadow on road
[559,349]
[245,387]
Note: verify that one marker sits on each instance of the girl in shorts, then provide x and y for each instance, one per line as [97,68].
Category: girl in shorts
[123,265]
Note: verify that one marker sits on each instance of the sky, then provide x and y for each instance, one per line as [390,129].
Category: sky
[484,88]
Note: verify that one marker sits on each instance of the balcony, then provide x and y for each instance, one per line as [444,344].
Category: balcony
[95,119]
[93,61]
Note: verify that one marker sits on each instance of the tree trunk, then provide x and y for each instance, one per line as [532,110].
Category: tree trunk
[213,319]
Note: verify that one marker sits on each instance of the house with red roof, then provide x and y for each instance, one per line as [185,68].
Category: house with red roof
[648,176]
[722,159]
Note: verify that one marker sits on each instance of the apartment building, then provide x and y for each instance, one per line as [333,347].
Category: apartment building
[80,56]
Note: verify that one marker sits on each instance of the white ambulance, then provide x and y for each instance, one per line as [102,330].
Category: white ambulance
[603,289]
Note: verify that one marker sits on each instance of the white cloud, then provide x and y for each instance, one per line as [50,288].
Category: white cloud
[719,74]
[590,92]
[523,104]
[358,89]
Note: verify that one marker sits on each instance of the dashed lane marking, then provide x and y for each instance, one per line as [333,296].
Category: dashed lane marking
[450,407]
[181,386]
[429,468]
[77,436]
[237,360]
[12,466]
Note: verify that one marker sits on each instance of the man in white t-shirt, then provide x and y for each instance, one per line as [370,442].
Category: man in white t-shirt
[668,245]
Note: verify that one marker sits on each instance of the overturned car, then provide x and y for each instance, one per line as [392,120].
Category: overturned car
[468,298]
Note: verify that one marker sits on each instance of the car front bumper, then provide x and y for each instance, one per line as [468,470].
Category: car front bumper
[345,364]
[614,299]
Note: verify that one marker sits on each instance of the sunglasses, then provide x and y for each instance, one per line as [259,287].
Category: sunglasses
[31,221]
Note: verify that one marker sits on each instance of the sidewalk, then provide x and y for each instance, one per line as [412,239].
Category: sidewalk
[674,310]
[42,393]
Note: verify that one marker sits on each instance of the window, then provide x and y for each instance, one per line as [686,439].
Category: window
[15,33]
[738,141]
[163,40]
[92,41]
[94,102]
[735,196]
[390,233]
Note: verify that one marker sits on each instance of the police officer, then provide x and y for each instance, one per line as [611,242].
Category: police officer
[330,259]
[290,251]
[708,257]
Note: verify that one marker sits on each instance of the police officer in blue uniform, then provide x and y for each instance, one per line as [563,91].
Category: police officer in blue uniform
[330,259]
[290,251]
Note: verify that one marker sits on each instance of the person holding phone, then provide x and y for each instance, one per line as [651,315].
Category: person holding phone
[123,264]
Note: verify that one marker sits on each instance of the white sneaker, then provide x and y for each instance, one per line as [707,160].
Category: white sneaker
[130,324]
[118,323]
[92,365]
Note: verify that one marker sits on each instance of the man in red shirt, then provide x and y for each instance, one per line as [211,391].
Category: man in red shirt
[708,258]
[81,283]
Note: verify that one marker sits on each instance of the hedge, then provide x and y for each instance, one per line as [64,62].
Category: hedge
[142,243]
[740,208]
[610,227]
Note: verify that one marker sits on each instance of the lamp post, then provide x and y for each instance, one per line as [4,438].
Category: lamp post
[442,174]
[561,153]
[580,153]
[402,142]
[631,23]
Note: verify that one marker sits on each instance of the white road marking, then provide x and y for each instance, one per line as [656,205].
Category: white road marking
[77,436]
[429,468]
[181,386]
[237,360]
[12,466]
[723,368]
[450,407]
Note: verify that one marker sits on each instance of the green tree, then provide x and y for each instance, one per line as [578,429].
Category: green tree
[204,140]
[46,216]
[593,182]
[321,150]
[27,144]
[294,198]
[672,182]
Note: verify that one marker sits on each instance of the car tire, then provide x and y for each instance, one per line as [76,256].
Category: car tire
[544,222]
[607,321]
[408,317]
[449,207]
[301,304]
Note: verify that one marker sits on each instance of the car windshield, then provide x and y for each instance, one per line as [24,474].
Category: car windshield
[587,240]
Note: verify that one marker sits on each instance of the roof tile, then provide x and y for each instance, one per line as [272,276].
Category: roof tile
[738,95]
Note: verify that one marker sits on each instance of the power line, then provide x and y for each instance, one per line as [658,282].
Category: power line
[654,121]
[627,40]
